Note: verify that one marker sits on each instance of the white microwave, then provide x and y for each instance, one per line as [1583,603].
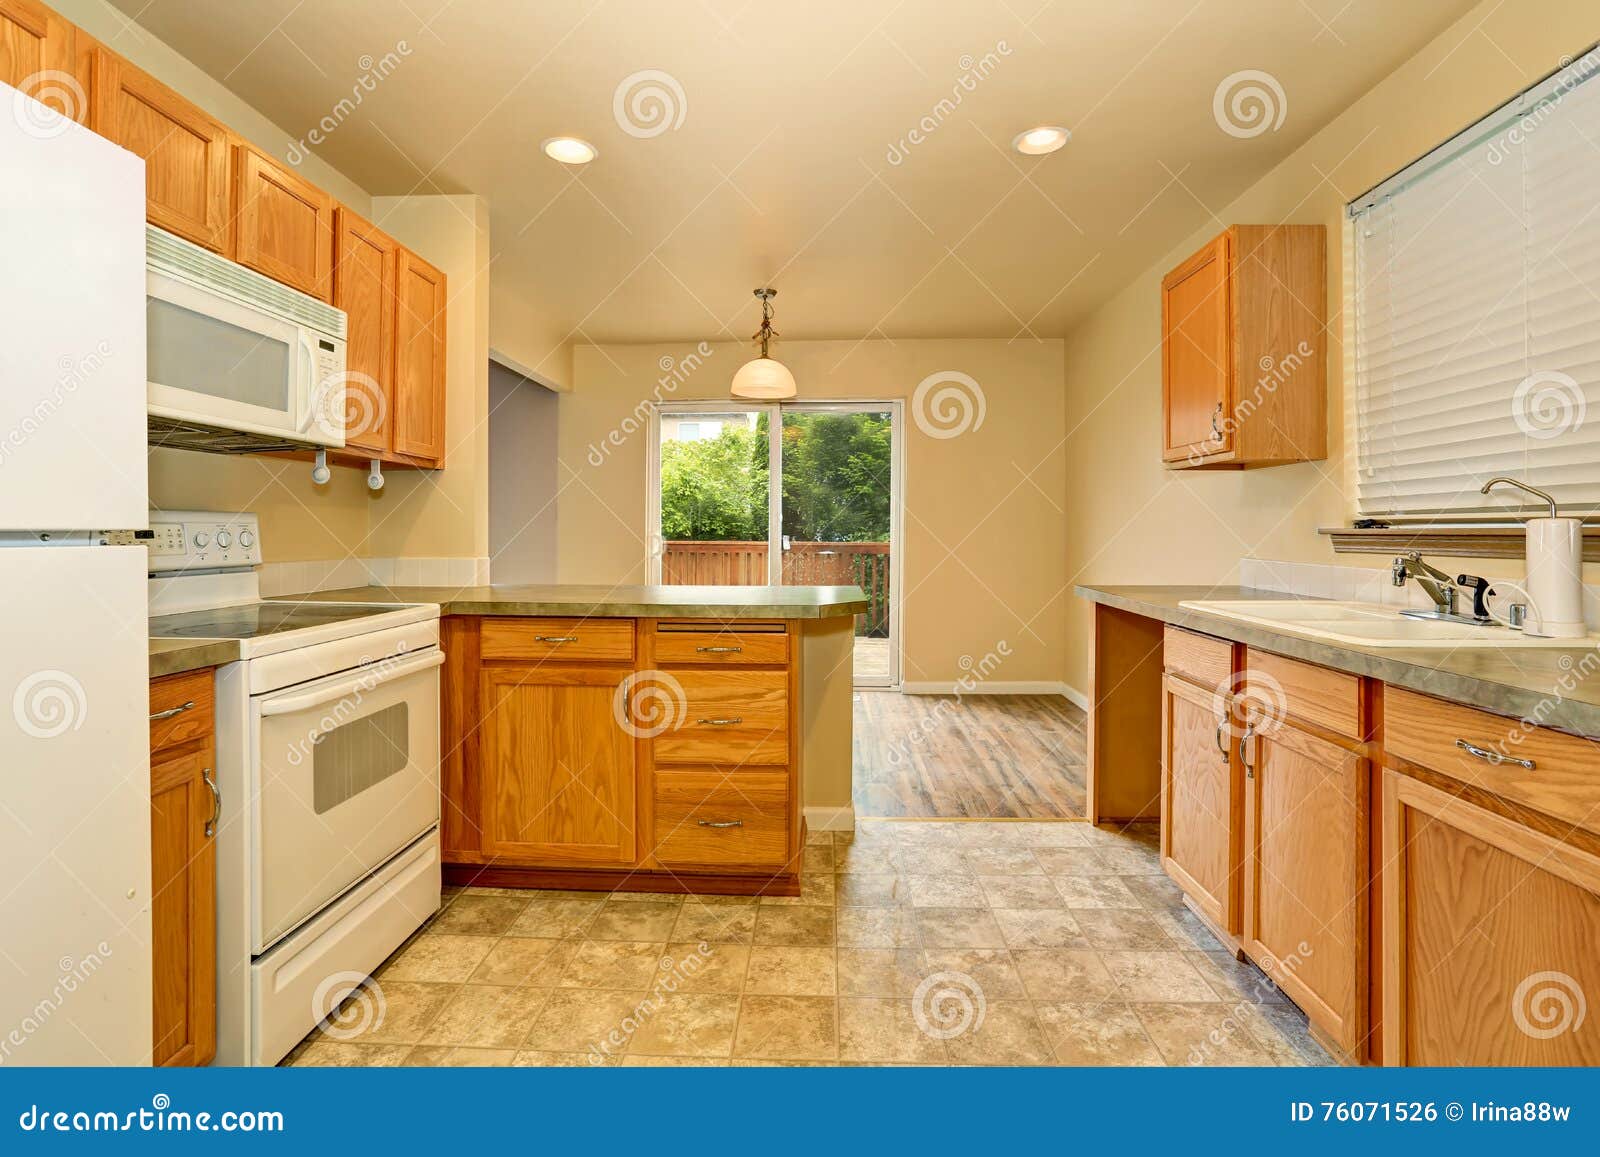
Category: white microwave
[237,361]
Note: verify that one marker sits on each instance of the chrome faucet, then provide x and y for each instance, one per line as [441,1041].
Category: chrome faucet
[1443,590]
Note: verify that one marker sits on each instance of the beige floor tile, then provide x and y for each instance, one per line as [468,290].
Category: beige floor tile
[791,971]
[885,1030]
[1281,1031]
[945,891]
[1132,860]
[1186,929]
[715,923]
[648,897]
[687,1024]
[1040,928]
[1007,1034]
[1047,834]
[626,964]
[1154,892]
[1069,974]
[958,928]
[388,1012]
[815,837]
[583,1019]
[883,972]
[1201,1034]
[524,960]
[707,967]
[991,969]
[1004,861]
[865,889]
[870,858]
[816,888]
[933,861]
[436,957]
[1096,892]
[634,1061]
[877,927]
[817,858]
[803,926]
[1156,977]
[640,920]
[1095,1033]
[470,915]
[787,1028]
[1020,892]
[1116,928]
[347,1055]
[927,834]
[543,1059]
[1071,862]
[455,1057]
[486,1016]
[555,919]
[1235,979]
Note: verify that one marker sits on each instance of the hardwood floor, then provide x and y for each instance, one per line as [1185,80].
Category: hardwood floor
[982,757]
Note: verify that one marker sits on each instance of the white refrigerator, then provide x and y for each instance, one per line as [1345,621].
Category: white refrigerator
[75,973]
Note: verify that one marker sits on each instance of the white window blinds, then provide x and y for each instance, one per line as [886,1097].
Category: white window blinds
[1477,311]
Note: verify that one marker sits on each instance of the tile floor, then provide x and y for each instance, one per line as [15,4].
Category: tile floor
[915,942]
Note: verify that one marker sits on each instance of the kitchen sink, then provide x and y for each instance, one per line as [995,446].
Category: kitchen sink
[1367,624]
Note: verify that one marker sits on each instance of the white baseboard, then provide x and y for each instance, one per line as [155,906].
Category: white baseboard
[831,819]
[998,687]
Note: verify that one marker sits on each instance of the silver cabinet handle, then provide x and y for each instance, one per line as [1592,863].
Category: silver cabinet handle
[1216,431]
[171,711]
[1249,734]
[1222,744]
[722,823]
[216,803]
[555,638]
[729,722]
[1492,757]
[719,650]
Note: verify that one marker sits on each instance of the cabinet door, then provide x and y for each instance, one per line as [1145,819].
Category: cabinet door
[186,153]
[183,906]
[285,225]
[557,766]
[1202,800]
[419,359]
[1489,937]
[1197,356]
[36,57]
[364,287]
[1305,918]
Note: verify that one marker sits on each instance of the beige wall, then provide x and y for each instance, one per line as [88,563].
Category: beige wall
[984,550]
[1131,521]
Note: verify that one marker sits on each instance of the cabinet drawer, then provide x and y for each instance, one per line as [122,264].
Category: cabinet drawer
[1201,658]
[1329,699]
[702,818]
[721,645]
[737,717]
[186,704]
[605,640]
[1562,783]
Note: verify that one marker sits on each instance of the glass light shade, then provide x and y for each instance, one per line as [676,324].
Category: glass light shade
[570,150]
[764,379]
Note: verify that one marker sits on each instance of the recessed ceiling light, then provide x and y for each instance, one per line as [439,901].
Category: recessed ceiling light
[570,150]
[1042,140]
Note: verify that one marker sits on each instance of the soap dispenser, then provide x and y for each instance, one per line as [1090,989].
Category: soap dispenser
[1554,584]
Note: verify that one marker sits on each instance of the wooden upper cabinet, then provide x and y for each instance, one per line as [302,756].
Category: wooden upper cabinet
[364,287]
[284,226]
[186,152]
[1244,350]
[419,391]
[37,57]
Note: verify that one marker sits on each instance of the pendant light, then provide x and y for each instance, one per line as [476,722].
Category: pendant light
[764,379]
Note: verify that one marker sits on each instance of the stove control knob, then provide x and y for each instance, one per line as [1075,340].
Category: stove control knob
[246,539]
[224,539]
[202,540]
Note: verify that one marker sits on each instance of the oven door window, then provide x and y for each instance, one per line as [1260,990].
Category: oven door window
[354,756]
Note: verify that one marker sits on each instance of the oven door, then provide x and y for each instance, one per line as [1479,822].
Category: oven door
[345,773]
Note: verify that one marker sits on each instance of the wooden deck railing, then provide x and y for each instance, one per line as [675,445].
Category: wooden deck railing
[864,564]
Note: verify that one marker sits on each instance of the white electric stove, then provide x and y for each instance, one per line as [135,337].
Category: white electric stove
[328,768]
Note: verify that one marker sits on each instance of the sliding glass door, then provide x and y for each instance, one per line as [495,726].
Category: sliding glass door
[799,495]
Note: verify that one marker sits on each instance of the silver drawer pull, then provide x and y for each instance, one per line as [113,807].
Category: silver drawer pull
[733,721]
[171,711]
[555,638]
[722,823]
[1492,757]
[216,803]
[719,650]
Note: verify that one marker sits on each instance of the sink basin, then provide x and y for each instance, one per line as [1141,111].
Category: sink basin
[1368,624]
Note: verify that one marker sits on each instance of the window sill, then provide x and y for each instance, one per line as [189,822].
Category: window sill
[1475,541]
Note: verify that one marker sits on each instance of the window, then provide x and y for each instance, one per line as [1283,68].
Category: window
[1477,311]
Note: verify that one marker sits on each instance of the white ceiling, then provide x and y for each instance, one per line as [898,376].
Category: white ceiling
[779,170]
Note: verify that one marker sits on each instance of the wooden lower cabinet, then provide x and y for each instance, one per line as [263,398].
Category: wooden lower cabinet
[183,809]
[1202,800]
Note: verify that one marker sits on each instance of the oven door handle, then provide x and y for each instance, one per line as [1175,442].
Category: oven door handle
[365,679]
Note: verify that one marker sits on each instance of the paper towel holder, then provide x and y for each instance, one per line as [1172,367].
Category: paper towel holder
[1541,495]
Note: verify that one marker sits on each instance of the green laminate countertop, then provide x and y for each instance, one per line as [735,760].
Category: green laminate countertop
[175,656]
[618,602]
[1555,686]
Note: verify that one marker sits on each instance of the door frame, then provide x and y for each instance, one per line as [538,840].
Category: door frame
[655,545]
